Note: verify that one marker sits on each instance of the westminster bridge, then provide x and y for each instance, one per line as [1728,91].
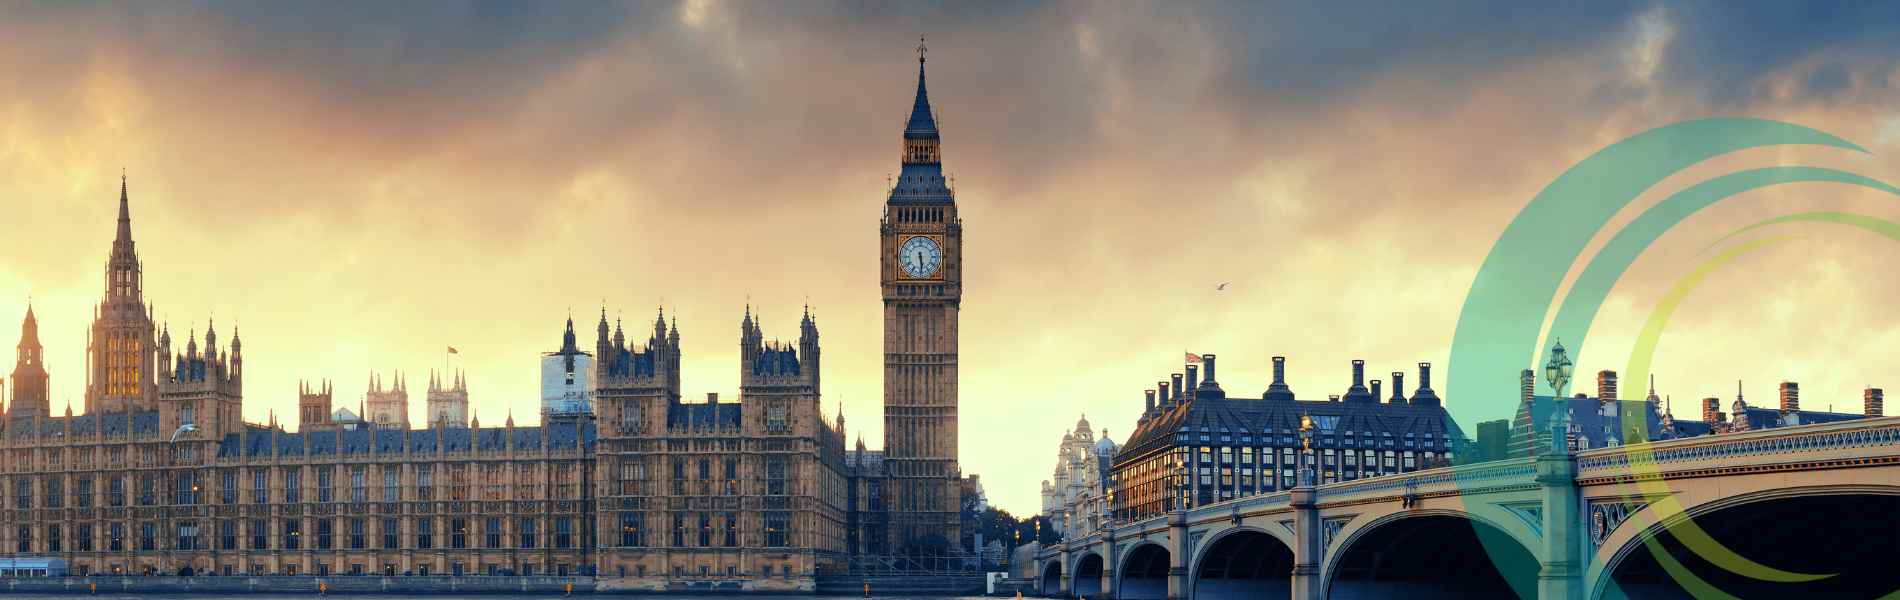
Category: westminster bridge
[1812,510]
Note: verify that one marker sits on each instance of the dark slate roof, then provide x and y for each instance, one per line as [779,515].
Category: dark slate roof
[1254,421]
[1686,428]
[115,424]
[422,440]
[922,125]
[704,414]
[231,446]
[145,422]
[1769,418]
[290,444]
[389,440]
[257,442]
[868,462]
[528,438]
[776,361]
[491,440]
[85,424]
[455,439]
[356,441]
[322,443]
[1587,418]
[920,183]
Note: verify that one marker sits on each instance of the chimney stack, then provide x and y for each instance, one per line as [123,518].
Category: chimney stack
[1209,388]
[1526,386]
[712,398]
[1606,386]
[1150,403]
[1712,410]
[1333,398]
[1161,394]
[1872,398]
[1425,396]
[1193,381]
[1358,393]
[1178,389]
[1790,396]
[1375,390]
[1278,389]
[1398,387]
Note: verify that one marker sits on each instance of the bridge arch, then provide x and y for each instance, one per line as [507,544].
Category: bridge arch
[1050,584]
[1430,554]
[1241,562]
[1143,574]
[1086,580]
[1816,530]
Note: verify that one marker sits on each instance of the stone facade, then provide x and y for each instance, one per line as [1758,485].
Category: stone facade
[1075,498]
[921,241]
[647,491]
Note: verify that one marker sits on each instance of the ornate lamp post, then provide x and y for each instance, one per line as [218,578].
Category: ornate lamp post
[1557,373]
[1307,477]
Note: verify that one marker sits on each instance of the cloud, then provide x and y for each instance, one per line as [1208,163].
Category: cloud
[358,185]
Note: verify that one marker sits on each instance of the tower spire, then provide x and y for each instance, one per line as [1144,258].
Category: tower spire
[922,125]
[125,211]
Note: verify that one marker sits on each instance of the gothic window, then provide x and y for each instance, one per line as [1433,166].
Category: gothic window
[391,529]
[227,535]
[117,541]
[293,484]
[83,492]
[564,532]
[527,534]
[425,533]
[325,489]
[356,534]
[260,486]
[492,533]
[326,533]
[458,533]
[632,526]
[775,416]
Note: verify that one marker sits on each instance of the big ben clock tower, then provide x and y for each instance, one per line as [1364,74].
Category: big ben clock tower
[921,255]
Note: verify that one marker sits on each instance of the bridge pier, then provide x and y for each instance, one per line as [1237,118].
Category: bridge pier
[1177,555]
[1063,588]
[1306,549]
[1560,576]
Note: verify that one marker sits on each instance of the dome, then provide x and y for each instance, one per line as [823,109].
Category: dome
[1082,425]
[1105,446]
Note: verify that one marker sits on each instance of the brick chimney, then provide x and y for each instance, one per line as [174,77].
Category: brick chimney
[1150,404]
[1178,389]
[1606,385]
[1209,388]
[1712,410]
[1375,390]
[1871,398]
[1398,387]
[1790,396]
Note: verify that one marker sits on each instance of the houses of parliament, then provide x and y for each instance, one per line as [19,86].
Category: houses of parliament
[639,487]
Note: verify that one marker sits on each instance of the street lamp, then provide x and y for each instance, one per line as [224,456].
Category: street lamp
[1307,477]
[1557,373]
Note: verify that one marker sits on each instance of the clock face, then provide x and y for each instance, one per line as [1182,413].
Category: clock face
[920,257]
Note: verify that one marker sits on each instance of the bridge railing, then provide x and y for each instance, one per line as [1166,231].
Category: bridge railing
[1783,441]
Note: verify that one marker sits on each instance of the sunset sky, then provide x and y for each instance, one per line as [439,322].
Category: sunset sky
[356,186]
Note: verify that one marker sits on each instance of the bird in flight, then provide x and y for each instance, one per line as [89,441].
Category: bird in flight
[1222,286]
